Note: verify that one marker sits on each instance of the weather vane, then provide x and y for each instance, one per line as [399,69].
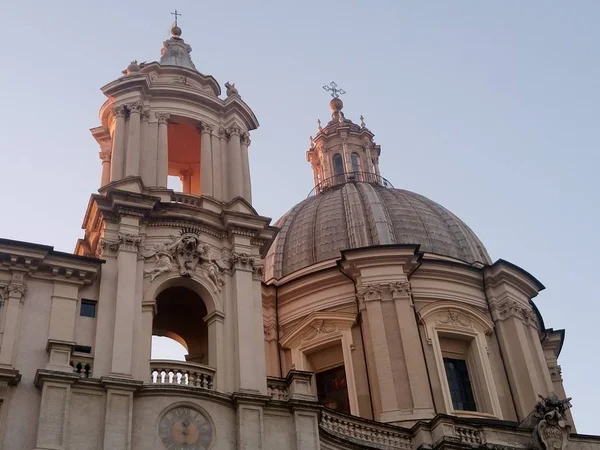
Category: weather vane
[334,89]
[175,14]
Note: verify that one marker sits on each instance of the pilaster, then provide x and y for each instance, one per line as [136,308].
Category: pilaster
[119,412]
[14,296]
[132,166]
[247,185]
[206,159]
[234,155]
[162,165]
[117,167]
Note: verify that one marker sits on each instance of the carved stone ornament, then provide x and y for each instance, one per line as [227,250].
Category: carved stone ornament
[509,307]
[400,289]
[15,290]
[119,111]
[454,318]
[231,89]
[107,248]
[555,372]
[316,329]
[162,117]
[105,155]
[234,130]
[130,242]
[135,108]
[549,422]
[204,127]
[370,292]
[245,139]
[189,254]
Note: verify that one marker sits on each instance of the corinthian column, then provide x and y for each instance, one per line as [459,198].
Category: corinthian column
[132,166]
[105,157]
[162,165]
[206,159]
[117,168]
[236,180]
[245,143]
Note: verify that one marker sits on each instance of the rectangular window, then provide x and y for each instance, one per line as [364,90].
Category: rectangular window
[332,389]
[461,391]
[88,308]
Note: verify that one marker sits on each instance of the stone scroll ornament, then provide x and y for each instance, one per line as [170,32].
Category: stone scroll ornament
[548,421]
[187,253]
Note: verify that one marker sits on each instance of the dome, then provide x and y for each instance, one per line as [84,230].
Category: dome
[361,214]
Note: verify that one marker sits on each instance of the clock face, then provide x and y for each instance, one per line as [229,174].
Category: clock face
[184,428]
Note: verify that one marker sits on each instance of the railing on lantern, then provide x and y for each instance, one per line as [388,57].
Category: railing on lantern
[350,177]
[180,373]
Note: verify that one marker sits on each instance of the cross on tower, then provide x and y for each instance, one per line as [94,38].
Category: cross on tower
[333,88]
[175,14]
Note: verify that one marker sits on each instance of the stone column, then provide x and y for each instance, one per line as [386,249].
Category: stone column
[216,348]
[132,166]
[217,160]
[125,305]
[117,168]
[371,297]
[413,352]
[247,320]
[206,159]
[105,157]
[162,164]
[148,312]
[376,165]
[13,301]
[234,154]
[186,181]
[245,143]
[369,159]
[346,153]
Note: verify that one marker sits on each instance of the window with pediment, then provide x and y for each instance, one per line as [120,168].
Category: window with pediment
[458,335]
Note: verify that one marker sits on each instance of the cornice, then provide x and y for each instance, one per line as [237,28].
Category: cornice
[505,272]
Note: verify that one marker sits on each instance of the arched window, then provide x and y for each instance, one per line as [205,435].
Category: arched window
[338,164]
[355,162]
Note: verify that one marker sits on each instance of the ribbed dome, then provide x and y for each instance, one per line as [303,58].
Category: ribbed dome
[354,215]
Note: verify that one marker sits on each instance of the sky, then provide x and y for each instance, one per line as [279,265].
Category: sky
[489,108]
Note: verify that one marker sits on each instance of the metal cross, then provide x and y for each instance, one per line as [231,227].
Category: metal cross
[175,14]
[333,88]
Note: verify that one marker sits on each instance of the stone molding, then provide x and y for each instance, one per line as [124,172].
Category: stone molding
[317,325]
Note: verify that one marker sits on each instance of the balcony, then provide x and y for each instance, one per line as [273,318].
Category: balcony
[164,372]
[350,177]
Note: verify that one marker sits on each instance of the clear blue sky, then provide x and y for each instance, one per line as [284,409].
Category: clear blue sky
[489,108]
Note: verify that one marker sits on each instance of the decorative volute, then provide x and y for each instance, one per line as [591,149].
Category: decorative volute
[166,119]
[343,151]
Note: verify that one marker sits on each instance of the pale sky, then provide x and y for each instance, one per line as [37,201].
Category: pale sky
[489,108]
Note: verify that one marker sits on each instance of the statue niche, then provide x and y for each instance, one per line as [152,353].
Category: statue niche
[188,253]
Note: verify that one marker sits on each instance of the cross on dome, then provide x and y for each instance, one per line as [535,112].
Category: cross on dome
[175,14]
[334,90]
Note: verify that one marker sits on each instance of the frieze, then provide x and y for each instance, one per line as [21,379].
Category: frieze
[189,255]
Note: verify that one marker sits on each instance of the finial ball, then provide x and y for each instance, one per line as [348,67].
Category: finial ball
[133,67]
[336,104]
[175,31]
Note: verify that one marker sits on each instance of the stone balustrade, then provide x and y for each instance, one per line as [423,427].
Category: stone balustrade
[82,364]
[468,435]
[277,388]
[181,373]
[362,432]
[185,199]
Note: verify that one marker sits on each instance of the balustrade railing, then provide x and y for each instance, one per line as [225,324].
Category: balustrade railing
[350,177]
[181,373]
[185,199]
[363,433]
[82,364]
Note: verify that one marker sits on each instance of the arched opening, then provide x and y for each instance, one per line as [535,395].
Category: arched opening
[184,154]
[179,316]
[355,158]
[338,167]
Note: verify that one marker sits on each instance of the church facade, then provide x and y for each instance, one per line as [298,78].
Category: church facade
[367,317]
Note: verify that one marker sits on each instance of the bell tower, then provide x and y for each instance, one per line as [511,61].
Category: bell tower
[185,265]
[165,119]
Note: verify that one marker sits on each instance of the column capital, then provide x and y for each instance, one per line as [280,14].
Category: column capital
[119,111]
[130,242]
[16,290]
[135,108]
[245,138]
[243,261]
[163,117]
[105,155]
[509,307]
[205,128]
[400,289]
[234,130]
